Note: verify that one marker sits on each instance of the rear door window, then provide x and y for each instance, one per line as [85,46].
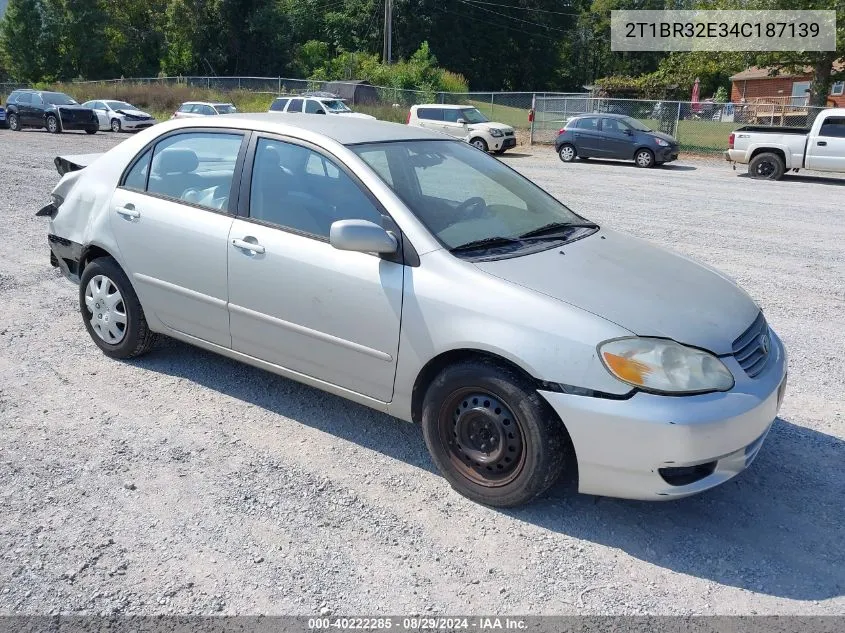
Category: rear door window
[295,105]
[313,107]
[24,97]
[430,114]
[278,105]
[588,123]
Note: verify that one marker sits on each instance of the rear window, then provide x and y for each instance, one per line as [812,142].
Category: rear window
[24,97]
[278,105]
[588,123]
[430,114]
[833,126]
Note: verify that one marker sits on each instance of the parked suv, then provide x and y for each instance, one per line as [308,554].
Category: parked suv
[315,105]
[52,110]
[464,122]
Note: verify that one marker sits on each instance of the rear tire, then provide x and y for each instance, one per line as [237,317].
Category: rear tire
[13,122]
[111,311]
[567,152]
[52,124]
[766,166]
[492,436]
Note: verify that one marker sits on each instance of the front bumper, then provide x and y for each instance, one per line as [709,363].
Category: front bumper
[507,142]
[137,125]
[668,154]
[623,445]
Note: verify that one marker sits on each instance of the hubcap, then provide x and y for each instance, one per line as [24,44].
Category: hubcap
[644,159]
[13,122]
[106,309]
[483,438]
[479,144]
[51,124]
[567,153]
[765,168]
[115,126]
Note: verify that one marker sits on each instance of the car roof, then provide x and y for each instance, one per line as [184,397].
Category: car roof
[208,103]
[604,115]
[339,129]
[447,106]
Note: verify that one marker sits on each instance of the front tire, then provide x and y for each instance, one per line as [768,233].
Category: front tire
[14,123]
[91,130]
[52,124]
[567,152]
[491,435]
[111,311]
[479,143]
[644,158]
[499,152]
[116,126]
[766,166]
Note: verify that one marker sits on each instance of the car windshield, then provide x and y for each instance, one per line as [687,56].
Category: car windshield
[472,115]
[57,98]
[336,105]
[120,105]
[225,108]
[464,196]
[636,124]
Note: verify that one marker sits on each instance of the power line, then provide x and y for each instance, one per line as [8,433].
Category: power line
[510,17]
[498,24]
[510,6]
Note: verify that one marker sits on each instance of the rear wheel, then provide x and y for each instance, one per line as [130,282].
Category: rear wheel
[567,153]
[766,166]
[493,437]
[111,311]
[479,143]
[644,158]
[52,124]
[14,123]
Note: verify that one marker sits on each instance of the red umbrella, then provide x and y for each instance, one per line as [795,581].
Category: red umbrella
[696,92]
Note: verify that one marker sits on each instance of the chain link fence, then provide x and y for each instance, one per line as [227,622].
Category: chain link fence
[700,127]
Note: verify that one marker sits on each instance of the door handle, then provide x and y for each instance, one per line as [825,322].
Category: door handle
[245,245]
[129,212]
[822,143]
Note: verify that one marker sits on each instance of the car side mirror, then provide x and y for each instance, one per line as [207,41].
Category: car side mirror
[462,121]
[361,236]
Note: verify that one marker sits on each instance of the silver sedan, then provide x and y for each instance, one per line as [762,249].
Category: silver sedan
[120,116]
[414,274]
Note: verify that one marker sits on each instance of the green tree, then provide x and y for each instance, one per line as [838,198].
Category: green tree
[19,29]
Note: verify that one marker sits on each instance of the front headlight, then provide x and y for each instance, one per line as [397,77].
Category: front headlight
[661,142]
[664,366]
[496,133]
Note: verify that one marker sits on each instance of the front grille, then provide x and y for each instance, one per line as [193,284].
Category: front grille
[753,346]
[508,133]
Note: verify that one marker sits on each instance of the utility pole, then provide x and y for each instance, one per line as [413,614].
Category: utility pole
[388,31]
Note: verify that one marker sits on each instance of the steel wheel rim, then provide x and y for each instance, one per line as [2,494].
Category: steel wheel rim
[483,439]
[478,144]
[106,308]
[765,168]
[115,126]
[52,125]
[567,153]
[644,159]
[13,121]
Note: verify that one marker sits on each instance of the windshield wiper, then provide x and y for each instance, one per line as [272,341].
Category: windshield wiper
[555,230]
[487,242]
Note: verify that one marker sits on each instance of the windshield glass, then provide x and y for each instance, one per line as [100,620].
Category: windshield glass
[336,105]
[636,124]
[57,98]
[473,116]
[227,108]
[120,105]
[463,195]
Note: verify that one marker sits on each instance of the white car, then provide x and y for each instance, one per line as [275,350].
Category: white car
[315,105]
[193,109]
[119,115]
[464,122]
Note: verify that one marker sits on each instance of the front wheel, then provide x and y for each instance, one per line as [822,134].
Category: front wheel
[766,166]
[111,311]
[53,126]
[567,153]
[491,435]
[14,123]
[115,125]
[91,130]
[499,152]
[644,158]
[479,143]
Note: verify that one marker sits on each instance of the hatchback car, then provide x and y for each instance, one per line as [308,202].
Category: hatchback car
[118,116]
[614,136]
[194,109]
[464,122]
[411,273]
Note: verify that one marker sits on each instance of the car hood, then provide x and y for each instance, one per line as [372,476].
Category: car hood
[640,287]
[132,112]
[357,115]
[491,125]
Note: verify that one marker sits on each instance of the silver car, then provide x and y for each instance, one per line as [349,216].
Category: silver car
[421,277]
[119,116]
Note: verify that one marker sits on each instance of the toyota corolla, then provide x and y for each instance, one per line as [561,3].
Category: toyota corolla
[411,273]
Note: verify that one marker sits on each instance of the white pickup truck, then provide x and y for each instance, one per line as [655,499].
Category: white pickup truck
[770,152]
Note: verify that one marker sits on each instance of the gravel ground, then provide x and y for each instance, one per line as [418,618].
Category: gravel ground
[186,483]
